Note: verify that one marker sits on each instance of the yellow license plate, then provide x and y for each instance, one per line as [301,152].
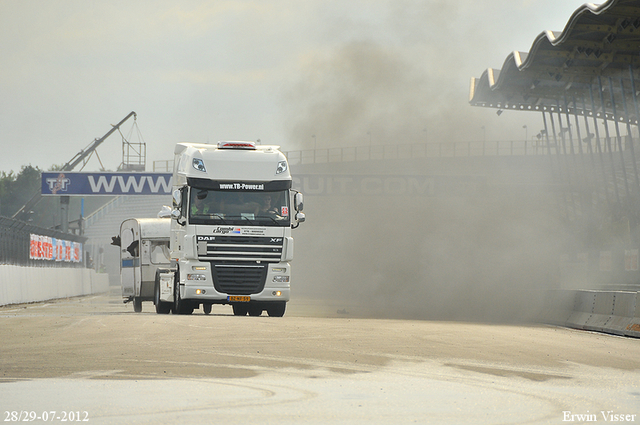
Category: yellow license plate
[239,298]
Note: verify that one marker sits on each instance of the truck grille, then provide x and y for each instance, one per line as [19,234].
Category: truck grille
[238,279]
[240,248]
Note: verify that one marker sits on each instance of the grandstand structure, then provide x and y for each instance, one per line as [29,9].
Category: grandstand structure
[585,82]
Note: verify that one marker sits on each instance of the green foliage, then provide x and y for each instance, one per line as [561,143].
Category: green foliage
[17,189]
[56,167]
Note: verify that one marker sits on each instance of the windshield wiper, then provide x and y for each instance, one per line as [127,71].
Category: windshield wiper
[248,219]
[269,217]
[219,217]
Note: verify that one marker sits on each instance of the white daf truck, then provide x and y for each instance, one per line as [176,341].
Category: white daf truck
[230,241]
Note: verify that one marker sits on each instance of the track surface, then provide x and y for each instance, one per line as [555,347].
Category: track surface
[317,365]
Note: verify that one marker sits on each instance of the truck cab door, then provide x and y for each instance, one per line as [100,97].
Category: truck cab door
[178,229]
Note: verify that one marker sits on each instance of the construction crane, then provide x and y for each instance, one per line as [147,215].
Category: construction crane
[73,162]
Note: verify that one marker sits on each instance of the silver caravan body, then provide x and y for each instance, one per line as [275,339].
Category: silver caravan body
[144,248]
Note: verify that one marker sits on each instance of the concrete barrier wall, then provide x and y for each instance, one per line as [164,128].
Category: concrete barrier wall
[20,284]
[611,312]
[582,309]
[624,308]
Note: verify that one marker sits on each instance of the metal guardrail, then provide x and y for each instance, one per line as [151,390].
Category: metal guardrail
[443,150]
[163,166]
[403,151]
[417,150]
[437,150]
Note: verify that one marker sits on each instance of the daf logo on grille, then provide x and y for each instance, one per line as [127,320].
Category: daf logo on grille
[276,240]
[206,238]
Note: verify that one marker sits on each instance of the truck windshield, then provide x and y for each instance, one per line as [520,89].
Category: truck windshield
[239,208]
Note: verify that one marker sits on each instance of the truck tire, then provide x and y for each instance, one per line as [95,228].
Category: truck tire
[137,304]
[255,310]
[161,306]
[276,309]
[240,309]
[180,306]
[206,308]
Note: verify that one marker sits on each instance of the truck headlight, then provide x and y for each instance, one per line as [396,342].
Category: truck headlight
[281,279]
[194,276]
[282,167]
[198,164]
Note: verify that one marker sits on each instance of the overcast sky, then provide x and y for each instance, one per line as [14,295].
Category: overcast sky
[397,71]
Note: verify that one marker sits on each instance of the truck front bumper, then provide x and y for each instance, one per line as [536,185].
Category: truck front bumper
[216,283]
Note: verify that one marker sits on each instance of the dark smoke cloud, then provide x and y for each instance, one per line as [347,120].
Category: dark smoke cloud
[362,89]
[366,92]
[400,72]
[404,79]
[485,257]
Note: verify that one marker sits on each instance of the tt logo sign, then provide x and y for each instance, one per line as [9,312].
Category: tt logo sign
[58,184]
[106,184]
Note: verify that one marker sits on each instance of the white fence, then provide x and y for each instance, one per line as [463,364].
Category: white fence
[20,284]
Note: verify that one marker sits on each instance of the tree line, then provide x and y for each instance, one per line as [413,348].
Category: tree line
[17,188]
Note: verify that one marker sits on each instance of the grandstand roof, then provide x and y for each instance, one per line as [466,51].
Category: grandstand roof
[598,48]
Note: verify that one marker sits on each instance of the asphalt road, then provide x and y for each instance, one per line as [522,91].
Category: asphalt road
[92,359]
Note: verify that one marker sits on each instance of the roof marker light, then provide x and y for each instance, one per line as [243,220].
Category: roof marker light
[236,145]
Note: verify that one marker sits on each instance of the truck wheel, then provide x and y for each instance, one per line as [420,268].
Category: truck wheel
[161,307]
[180,306]
[137,304]
[206,308]
[240,309]
[255,310]
[276,309]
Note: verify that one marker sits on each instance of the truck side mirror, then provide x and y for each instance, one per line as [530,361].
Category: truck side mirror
[165,212]
[300,217]
[299,201]
[176,213]
[177,198]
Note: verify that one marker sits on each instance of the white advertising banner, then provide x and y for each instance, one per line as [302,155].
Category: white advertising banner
[52,249]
